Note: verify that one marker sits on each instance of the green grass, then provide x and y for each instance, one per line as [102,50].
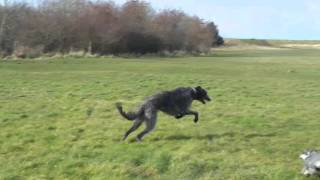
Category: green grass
[58,121]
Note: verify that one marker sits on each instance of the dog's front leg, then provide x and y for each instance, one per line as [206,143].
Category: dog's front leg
[195,113]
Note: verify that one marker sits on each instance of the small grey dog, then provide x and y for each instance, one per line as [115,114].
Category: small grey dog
[311,160]
[174,103]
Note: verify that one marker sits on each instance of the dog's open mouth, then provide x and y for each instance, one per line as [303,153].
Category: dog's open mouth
[205,99]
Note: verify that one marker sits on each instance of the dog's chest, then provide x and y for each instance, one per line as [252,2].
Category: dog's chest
[183,103]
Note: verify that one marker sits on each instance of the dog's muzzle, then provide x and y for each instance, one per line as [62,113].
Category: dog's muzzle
[205,99]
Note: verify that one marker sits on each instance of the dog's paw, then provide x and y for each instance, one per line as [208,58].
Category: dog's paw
[138,140]
[195,120]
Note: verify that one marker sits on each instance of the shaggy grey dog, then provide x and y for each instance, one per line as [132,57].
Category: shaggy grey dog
[311,160]
[174,103]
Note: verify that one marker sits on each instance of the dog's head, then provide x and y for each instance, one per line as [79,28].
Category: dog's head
[201,95]
[306,154]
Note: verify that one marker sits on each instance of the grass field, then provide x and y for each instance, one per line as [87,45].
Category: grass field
[58,121]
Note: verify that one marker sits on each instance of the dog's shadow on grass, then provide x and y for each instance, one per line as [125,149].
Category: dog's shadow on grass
[180,137]
[256,135]
[210,137]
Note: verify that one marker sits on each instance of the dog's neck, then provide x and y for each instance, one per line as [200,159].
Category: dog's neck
[194,93]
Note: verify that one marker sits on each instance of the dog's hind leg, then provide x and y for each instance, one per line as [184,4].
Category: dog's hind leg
[137,123]
[150,120]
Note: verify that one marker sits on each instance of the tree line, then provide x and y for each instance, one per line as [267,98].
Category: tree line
[100,27]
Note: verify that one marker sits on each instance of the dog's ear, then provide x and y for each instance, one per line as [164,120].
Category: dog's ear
[198,88]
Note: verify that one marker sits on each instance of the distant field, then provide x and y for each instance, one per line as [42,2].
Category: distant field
[58,121]
[272,44]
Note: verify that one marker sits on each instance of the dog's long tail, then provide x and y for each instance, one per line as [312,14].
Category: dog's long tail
[128,115]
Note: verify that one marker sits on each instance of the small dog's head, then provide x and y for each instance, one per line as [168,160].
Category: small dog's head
[201,95]
[306,154]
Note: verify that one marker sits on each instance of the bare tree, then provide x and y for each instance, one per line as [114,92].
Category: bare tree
[167,25]
[198,36]
[3,20]
[101,27]
[217,39]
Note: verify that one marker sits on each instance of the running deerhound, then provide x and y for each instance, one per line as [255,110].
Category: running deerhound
[174,103]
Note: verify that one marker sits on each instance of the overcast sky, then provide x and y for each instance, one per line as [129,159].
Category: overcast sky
[267,19]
